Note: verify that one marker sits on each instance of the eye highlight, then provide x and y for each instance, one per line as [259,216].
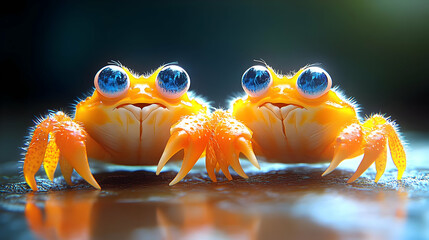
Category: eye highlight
[256,81]
[313,82]
[111,81]
[172,81]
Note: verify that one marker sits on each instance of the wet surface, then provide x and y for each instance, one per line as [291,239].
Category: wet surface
[291,201]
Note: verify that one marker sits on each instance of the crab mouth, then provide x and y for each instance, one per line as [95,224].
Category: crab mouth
[281,110]
[284,112]
[141,110]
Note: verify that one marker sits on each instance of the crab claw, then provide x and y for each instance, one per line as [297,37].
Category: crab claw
[378,132]
[211,163]
[36,153]
[176,142]
[229,138]
[190,134]
[57,139]
[370,138]
[375,150]
[348,142]
[396,149]
[73,149]
[192,153]
[222,138]
[52,155]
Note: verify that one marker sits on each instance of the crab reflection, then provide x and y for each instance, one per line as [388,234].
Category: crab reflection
[65,216]
[198,217]
[77,215]
[303,209]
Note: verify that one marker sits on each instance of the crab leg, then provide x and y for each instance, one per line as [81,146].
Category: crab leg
[230,138]
[371,127]
[70,138]
[211,164]
[222,137]
[192,153]
[190,134]
[348,143]
[396,149]
[36,152]
[177,141]
[372,136]
[52,156]
[375,150]
[244,146]
[66,170]
[57,138]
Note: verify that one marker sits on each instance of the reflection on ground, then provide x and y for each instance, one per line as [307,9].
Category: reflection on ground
[277,202]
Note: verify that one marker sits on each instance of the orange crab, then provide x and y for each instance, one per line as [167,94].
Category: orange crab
[125,121]
[299,119]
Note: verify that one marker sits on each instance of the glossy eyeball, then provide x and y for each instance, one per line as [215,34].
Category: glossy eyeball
[111,81]
[256,81]
[313,82]
[172,81]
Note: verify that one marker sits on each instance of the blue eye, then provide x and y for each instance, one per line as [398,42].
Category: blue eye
[172,81]
[313,82]
[111,81]
[256,80]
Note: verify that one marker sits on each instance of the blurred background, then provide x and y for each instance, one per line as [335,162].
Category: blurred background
[376,51]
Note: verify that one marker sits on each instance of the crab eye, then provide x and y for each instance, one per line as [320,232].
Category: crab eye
[111,81]
[172,81]
[256,80]
[313,82]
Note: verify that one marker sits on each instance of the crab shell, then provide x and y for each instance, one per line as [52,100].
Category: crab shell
[132,129]
[291,128]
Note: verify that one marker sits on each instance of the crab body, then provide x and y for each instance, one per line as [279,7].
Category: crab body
[132,129]
[125,121]
[290,128]
[300,119]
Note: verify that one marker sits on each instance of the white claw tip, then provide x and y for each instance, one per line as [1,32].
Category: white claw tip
[326,172]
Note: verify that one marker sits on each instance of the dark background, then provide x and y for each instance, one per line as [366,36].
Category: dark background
[376,51]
